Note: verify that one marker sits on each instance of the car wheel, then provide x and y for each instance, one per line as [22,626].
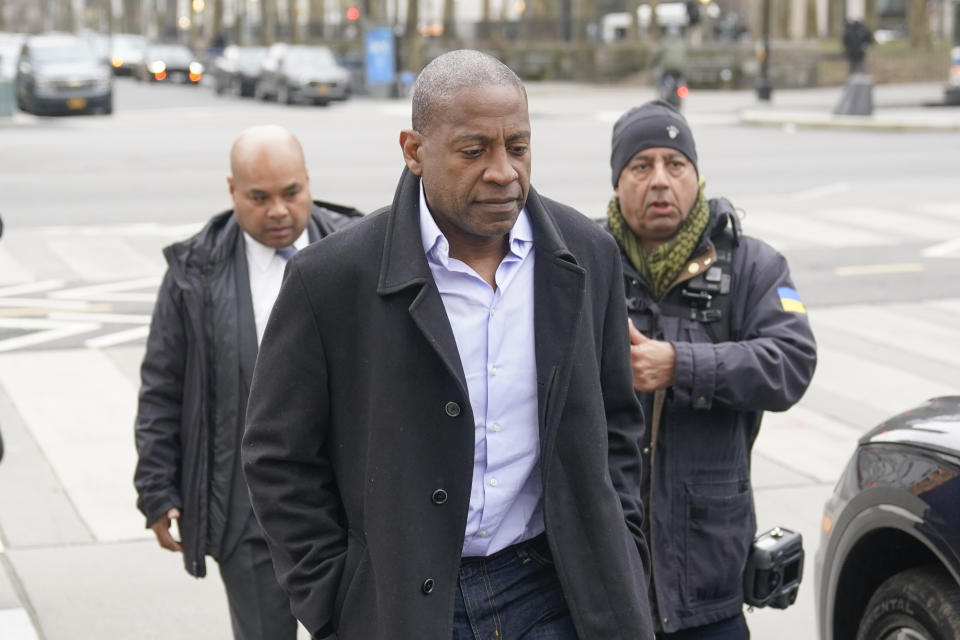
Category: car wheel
[236,87]
[283,94]
[260,92]
[916,604]
[108,106]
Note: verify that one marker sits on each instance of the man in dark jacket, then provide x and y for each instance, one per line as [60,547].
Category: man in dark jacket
[210,313]
[442,440]
[718,335]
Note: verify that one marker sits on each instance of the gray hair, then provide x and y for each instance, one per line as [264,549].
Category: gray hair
[451,72]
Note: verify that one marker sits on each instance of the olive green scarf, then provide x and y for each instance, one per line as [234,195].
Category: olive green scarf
[660,267]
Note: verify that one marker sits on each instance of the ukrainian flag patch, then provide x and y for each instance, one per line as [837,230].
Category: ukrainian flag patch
[790,300]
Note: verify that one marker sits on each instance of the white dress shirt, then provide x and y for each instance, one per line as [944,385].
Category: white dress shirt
[494,333]
[265,268]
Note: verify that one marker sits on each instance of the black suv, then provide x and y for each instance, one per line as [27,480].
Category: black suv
[888,566]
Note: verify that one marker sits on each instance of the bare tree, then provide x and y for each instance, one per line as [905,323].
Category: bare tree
[3,16]
[216,19]
[317,11]
[412,43]
[810,18]
[268,9]
[654,27]
[918,24]
[584,14]
[292,26]
[633,31]
[63,16]
[449,20]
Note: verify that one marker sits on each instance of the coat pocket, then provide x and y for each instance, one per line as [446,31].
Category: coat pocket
[353,567]
[719,528]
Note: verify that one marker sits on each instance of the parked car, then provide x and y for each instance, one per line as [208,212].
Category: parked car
[300,73]
[170,63]
[10,46]
[236,70]
[952,90]
[61,73]
[888,566]
[126,52]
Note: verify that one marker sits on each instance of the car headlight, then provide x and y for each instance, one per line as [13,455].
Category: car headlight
[157,66]
[196,67]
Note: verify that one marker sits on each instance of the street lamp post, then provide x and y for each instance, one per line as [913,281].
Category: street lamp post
[763,78]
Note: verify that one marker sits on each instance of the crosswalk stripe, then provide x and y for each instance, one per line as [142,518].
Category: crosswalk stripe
[16,625]
[90,421]
[120,337]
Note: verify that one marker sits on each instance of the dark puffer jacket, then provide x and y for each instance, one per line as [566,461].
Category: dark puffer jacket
[700,501]
[195,378]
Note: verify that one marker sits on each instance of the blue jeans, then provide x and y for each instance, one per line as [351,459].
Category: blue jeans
[513,594]
[734,628]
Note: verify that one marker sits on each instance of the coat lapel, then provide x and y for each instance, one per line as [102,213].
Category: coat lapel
[404,265]
[247,327]
[559,289]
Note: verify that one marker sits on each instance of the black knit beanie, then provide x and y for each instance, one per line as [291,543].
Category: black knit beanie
[654,124]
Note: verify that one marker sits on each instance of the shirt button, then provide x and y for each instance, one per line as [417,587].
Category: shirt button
[439,496]
[495,427]
[427,586]
[484,533]
[452,409]
[493,482]
[701,402]
[646,450]
[493,371]
[493,312]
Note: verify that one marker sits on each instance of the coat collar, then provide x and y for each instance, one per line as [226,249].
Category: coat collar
[559,293]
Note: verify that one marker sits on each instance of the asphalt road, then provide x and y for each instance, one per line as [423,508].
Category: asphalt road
[869,220]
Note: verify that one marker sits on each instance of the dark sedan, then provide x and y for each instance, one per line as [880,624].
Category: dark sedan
[170,63]
[61,73]
[888,566]
[236,70]
[299,73]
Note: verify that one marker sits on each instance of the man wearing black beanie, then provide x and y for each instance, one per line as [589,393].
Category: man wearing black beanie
[718,335]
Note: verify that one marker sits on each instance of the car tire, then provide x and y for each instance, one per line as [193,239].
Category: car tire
[236,87]
[916,603]
[259,92]
[283,94]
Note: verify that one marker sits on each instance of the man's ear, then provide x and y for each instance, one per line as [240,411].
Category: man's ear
[411,143]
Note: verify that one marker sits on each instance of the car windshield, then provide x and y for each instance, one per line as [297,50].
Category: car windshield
[129,44]
[312,58]
[170,54]
[56,54]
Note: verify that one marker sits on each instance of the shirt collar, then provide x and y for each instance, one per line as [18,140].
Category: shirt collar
[437,248]
[261,255]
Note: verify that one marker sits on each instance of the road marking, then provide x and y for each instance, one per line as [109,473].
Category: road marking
[49,331]
[86,435]
[16,625]
[120,337]
[105,318]
[879,269]
[819,192]
[31,287]
[948,249]
[113,291]
[45,303]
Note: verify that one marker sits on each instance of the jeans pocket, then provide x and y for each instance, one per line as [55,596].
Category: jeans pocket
[717,538]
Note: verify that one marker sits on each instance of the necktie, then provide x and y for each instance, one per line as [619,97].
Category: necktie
[287,252]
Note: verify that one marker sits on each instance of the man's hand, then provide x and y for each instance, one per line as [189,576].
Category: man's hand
[654,361]
[161,528]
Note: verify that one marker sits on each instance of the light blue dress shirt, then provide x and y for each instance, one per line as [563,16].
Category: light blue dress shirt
[494,334]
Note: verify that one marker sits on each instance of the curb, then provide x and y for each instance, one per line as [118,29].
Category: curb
[823,120]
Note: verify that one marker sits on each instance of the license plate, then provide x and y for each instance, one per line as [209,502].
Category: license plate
[178,76]
[323,89]
[76,103]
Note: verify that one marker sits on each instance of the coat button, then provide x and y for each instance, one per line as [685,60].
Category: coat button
[452,409]
[439,496]
[427,586]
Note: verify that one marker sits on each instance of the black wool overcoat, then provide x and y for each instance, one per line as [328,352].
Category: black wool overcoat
[359,443]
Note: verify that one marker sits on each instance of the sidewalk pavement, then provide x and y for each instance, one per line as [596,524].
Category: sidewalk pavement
[903,107]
